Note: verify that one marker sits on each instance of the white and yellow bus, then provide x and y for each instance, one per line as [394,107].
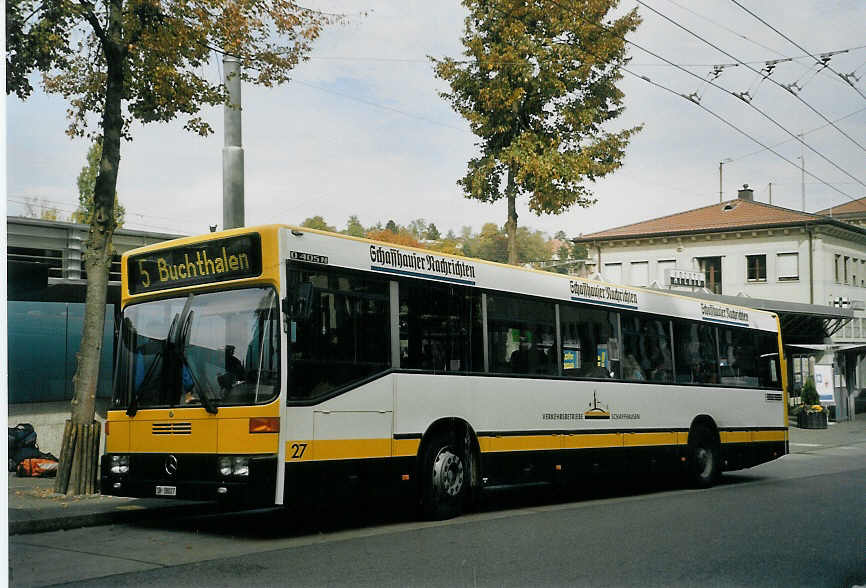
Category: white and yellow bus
[262,363]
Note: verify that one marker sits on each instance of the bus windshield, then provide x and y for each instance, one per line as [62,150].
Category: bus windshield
[213,349]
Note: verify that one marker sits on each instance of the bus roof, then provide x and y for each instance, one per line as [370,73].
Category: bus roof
[400,260]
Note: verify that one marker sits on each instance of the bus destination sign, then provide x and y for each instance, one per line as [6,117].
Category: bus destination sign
[192,265]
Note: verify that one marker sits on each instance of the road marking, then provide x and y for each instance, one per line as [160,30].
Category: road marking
[807,444]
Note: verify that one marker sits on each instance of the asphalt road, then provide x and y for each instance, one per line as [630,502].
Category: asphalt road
[798,521]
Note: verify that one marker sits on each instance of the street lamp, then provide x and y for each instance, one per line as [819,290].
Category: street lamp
[721,163]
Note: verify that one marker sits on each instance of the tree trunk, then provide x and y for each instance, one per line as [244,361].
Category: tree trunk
[77,471]
[511,224]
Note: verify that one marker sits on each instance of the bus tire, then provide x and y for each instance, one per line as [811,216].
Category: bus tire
[445,478]
[704,457]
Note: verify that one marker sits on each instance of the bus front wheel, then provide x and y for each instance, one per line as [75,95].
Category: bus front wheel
[445,478]
[704,457]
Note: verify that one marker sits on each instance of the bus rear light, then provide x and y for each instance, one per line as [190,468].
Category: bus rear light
[265,425]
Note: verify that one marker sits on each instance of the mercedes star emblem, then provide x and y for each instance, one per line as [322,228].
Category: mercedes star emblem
[171,465]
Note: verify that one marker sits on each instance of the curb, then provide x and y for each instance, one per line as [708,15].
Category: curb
[63,523]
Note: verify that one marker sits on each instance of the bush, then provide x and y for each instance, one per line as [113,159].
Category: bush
[809,394]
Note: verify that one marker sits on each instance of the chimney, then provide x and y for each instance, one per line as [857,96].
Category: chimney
[746,193]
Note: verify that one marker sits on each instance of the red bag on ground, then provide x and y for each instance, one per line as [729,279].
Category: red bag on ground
[37,467]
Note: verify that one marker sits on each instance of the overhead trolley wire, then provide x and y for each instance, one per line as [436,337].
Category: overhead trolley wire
[849,115]
[699,105]
[749,104]
[824,60]
[760,73]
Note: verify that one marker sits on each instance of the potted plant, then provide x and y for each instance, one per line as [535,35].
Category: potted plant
[811,415]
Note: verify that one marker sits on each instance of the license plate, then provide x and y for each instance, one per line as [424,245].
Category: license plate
[166,490]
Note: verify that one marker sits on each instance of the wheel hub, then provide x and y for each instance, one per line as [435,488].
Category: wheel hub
[448,473]
[704,458]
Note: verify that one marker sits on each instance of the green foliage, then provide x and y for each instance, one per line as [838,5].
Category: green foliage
[317,222]
[492,244]
[86,184]
[809,394]
[392,226]
[354,227]
[537,85]
[163,51]
[433,232]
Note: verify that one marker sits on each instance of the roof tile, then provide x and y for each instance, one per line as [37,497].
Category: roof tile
[726,215]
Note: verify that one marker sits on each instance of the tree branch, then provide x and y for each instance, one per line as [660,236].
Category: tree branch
[94,22]
[29,16]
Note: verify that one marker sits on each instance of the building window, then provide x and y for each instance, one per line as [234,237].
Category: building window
[639,273]
[756,268]
[845,266]
[836,271]
[787,267]
[712,268]
[661,266]
[612,273]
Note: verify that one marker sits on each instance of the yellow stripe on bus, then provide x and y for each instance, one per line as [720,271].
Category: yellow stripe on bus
[331,449]
[735,436]
[592,440]
[334,449]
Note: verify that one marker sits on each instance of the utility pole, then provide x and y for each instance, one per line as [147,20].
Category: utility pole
[721,163]
[233,151]
[802,177]
[771,193]
[803,183]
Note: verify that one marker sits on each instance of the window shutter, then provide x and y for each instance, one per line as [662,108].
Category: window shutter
[786,266]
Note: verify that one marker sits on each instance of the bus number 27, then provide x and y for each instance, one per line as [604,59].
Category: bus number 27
[298,450]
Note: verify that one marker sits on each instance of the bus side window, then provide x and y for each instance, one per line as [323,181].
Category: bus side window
[521,335]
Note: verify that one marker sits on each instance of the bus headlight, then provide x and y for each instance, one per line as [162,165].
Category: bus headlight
[119,464]
[241,466]
[234,466]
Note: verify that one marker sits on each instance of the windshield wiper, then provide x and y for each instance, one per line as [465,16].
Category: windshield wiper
[138,354]
[182,338]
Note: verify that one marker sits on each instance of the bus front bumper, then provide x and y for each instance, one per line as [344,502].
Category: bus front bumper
[251,481]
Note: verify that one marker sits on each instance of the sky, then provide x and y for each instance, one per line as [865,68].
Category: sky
[361,128]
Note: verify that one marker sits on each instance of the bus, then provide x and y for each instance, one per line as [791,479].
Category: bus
[255,365]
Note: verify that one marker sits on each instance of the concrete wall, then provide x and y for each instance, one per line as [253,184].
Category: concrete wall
[49,419]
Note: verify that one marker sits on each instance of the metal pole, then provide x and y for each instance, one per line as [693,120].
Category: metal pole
[771,194]
[233,152]
[720,182]
[803,183]
[802,177]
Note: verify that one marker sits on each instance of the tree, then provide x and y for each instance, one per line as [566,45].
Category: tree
[121,61]
[36,208]
[354,227]
[432,232]
[537,86]
[317,222]
[401,237]
[418,228]
[86,183]
[490,244]
[392,226]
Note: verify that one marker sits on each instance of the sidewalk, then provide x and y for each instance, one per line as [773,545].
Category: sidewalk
[836,434]
[35,508]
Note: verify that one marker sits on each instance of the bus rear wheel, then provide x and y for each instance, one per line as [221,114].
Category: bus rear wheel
[445,480]
[704,457]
